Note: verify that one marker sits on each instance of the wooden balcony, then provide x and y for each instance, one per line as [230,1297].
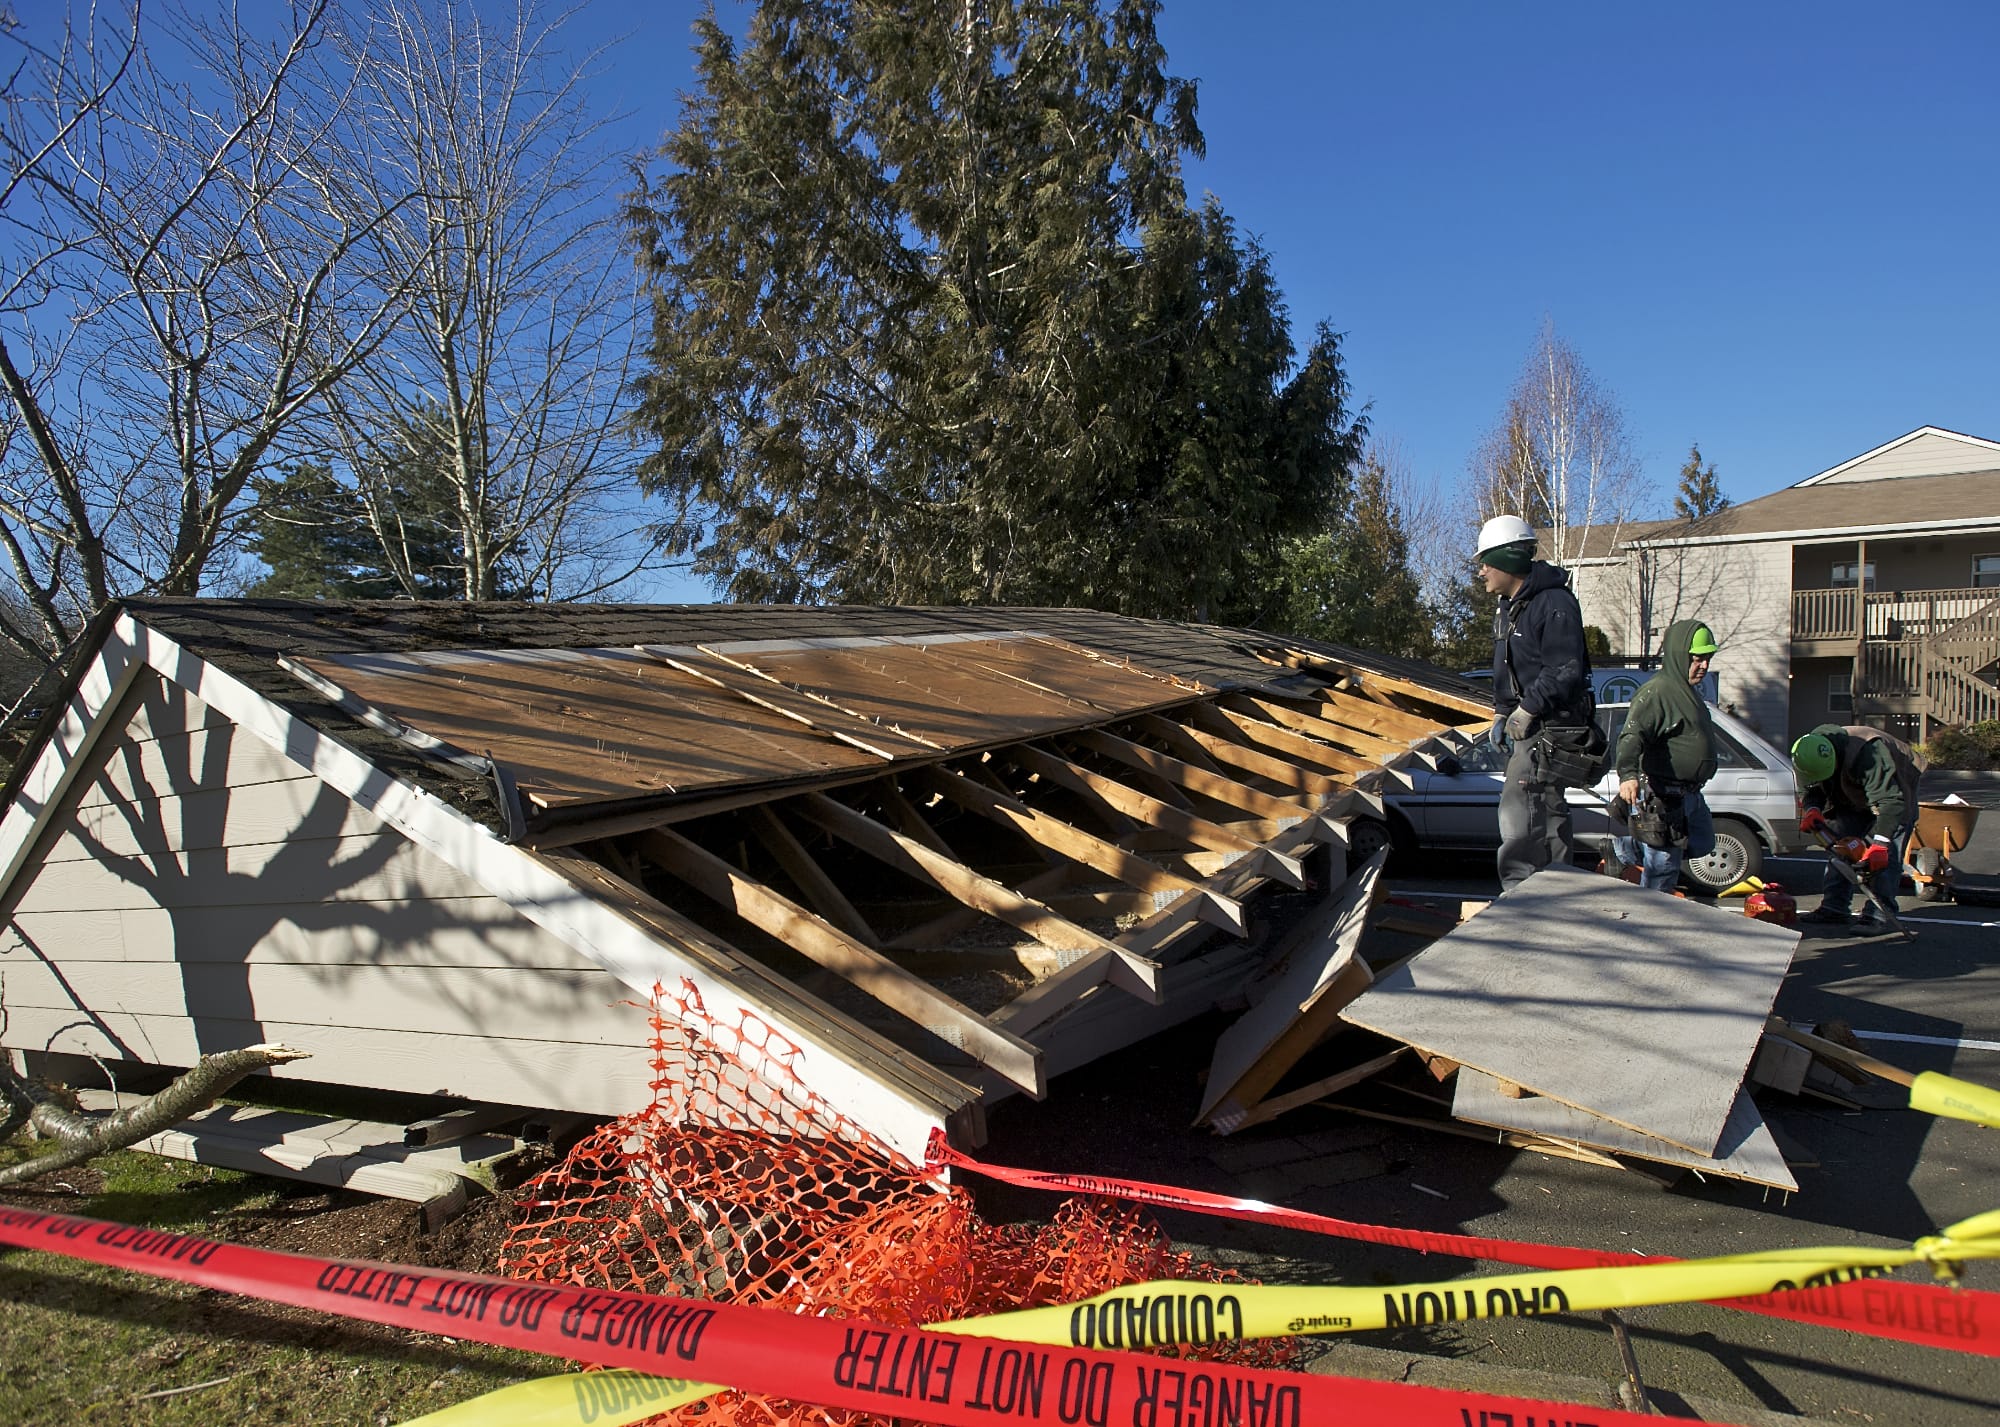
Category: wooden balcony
[1927,654]
[1831,622]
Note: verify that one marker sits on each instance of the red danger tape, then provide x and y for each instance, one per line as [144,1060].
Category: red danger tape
[1962,1319]
[906,1373]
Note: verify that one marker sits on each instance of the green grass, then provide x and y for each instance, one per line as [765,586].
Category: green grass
[85,1343]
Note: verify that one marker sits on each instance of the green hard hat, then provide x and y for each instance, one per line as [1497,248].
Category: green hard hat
[1813,756]
[1703,641]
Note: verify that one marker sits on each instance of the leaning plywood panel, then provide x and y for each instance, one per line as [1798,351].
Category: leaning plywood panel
[1640,1008]
[1745,1151]
[1314,971]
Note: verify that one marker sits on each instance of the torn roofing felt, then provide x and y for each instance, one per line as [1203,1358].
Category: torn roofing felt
[992,843]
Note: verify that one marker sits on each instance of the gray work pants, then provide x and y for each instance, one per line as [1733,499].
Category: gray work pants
[1534,818]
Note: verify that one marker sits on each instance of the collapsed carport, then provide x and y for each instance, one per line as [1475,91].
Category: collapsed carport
[948,853]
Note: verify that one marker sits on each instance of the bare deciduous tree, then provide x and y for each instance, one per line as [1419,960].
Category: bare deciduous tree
[185,286]
[524,318]
[1559,456]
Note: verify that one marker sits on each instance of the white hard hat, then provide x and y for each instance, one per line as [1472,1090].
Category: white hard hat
[1503,530]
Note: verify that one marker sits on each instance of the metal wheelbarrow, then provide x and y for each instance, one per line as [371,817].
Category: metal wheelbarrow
[1942,829]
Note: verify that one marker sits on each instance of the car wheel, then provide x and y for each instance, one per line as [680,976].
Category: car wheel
[1737,855]
[1366,837]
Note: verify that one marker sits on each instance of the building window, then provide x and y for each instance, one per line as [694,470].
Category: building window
[1985,571]
[1840,692]
[1843,575]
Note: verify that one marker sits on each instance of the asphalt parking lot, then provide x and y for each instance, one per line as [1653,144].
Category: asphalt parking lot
[1872,1175]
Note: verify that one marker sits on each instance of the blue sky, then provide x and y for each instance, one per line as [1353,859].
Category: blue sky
[1769,228]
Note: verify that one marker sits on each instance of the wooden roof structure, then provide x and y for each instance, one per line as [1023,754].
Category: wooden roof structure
[945,853]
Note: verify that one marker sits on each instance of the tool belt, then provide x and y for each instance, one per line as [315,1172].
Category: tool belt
[1570,757]
[1660,821]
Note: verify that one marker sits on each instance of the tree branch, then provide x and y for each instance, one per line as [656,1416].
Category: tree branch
[85,1136]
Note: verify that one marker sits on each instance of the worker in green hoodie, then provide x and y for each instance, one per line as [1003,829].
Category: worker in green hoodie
[1666,753]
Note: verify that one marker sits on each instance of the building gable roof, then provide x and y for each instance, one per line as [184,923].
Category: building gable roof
[1927,451]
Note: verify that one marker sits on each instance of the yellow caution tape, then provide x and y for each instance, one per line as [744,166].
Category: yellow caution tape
[1959,1099]
[1169,1312]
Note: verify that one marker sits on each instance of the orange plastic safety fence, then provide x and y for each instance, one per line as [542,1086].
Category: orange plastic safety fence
[740,1183]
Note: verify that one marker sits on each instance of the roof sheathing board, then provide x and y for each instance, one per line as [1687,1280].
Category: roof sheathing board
[248,637]
[575,727]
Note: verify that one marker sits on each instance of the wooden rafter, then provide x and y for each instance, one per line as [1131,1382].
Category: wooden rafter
[1148,810]
[961,918]
[1287,742]
[1221,789]
[1379,719]
[833,949]
[800,865]
[1077,845]
[1130,971]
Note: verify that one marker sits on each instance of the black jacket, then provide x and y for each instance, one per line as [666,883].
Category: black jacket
[1539,661]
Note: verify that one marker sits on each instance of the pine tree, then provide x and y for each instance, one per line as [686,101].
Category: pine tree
[392,532]
[309,530]
[1353,585]
[934,323]
[1699,494]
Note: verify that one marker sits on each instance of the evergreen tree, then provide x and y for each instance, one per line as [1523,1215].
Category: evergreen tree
[394,532]
[310,531]
[1354,585]
[1699,494]
[934,323]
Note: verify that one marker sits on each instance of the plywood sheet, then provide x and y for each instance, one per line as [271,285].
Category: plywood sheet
[1640,1008]
[581,727]
[1745,1151]
[967,693]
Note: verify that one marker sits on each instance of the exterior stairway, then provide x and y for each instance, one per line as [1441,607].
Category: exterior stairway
[1938,659]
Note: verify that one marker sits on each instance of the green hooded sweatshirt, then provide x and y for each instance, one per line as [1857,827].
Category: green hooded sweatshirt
[1668,734]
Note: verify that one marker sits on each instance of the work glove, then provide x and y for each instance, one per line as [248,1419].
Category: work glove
[1812,822]
[1496,736]
[1521,724]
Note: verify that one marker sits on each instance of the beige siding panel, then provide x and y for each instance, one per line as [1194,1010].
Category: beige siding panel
[368,867]
[426,1000]
[264,812]
[1608,597]
[147,769]
[1928,455]
[599,1079]
[1744,593]
[466,934]
[165,709]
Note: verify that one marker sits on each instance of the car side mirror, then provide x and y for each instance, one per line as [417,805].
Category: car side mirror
[1449,766]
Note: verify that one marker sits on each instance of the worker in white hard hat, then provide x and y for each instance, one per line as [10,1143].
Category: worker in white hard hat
[1545,716]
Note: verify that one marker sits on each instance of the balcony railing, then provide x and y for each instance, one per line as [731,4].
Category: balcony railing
[1968,614]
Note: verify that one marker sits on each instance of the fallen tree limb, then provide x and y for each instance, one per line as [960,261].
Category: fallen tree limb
[84,1136]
